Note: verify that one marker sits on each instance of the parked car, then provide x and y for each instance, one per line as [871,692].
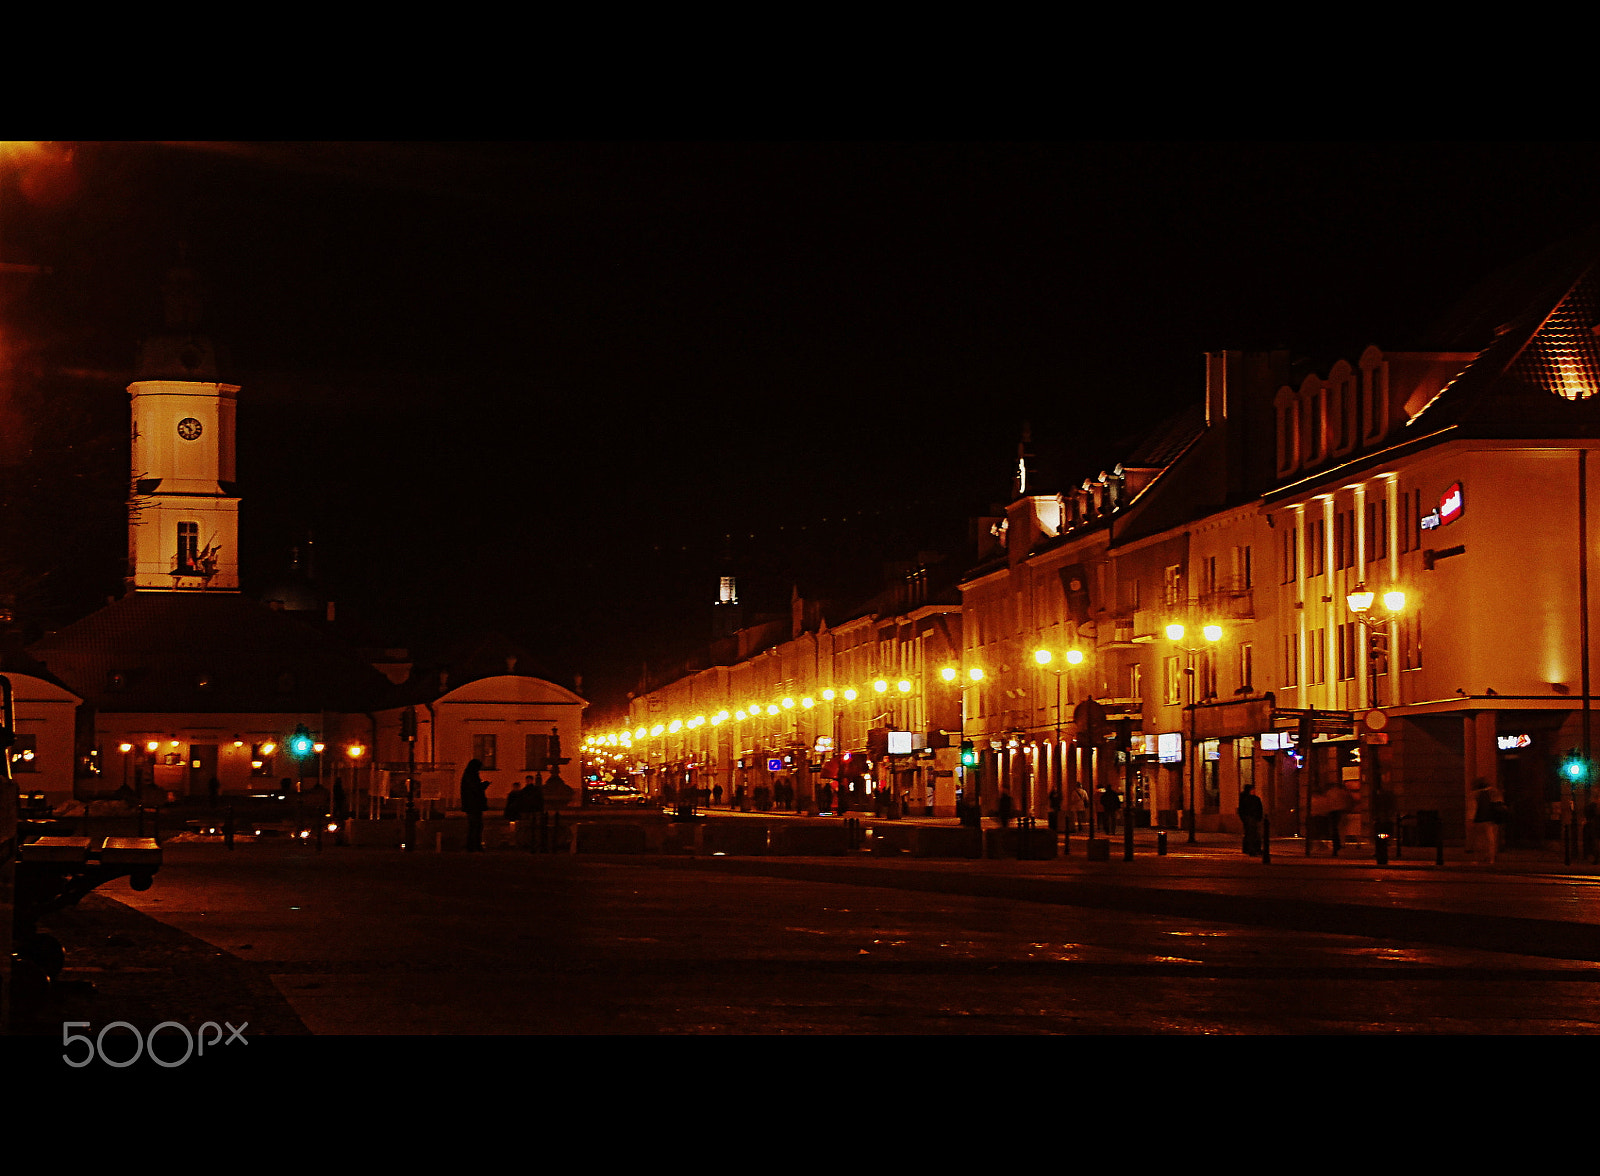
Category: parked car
[614,793]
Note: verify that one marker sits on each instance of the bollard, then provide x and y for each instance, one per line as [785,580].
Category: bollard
[1380,849]
[1161,843]
[1266,840]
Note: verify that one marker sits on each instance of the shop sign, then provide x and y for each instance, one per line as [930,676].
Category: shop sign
[1451,504]
[1513,742]
[1169,747]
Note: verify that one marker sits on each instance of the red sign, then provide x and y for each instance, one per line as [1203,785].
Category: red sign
[1450,503]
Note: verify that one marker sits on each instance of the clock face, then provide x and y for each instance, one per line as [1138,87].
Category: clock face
[190,429]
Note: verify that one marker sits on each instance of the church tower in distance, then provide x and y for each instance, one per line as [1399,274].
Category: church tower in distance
[183,526]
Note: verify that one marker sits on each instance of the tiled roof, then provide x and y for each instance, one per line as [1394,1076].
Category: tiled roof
[212,652]
[1537,371]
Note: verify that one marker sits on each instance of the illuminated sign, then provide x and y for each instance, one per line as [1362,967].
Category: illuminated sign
[1512,742]
[1450,504]
[1169,747]
[899,742]
[774,765]
[1449,509]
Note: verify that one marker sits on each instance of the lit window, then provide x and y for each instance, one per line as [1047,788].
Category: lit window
[483,751]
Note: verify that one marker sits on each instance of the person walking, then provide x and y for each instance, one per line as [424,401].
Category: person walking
[474,799]
[1110,802]
[1250,815]
[1487,813]
[1003,808]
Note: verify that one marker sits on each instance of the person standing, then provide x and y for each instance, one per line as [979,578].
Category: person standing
[474,799]
[1003,808]
[1250,815]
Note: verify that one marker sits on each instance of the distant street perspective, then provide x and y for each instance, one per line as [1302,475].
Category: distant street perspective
[1202,940]
[591,589]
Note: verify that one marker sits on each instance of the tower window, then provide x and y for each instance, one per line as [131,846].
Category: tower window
[188,546]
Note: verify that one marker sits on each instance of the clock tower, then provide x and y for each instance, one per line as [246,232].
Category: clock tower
[183,525]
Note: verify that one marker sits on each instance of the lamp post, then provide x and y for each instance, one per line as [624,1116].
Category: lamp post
[1046,660]
[1376,623]
[1175,634]
[952,676]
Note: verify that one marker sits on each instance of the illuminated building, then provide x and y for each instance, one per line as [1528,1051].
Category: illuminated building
[185,679]
[791,702]
[1457,470]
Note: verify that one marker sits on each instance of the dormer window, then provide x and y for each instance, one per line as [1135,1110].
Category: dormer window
[1288,408]
[1374,396]
[1315,397]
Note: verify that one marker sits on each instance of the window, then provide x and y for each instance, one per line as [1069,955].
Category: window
[25,754]
[1291,549]
[1377,530]
[1243,577]
[1347,651]
[188,545]
[1344,539]
[1247,668]
[1136,682]
[536,753]
[483,748]
[1316,657]
[1128,590]
[1317,547]
[1411,641]
[1291,659]
[261,759]
[1208,575]
[1208,673]
[1172,679]
[1173,584]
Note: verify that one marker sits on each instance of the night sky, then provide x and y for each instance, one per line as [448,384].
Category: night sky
[554,390]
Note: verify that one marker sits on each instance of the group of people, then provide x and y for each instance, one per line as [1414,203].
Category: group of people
[523,802]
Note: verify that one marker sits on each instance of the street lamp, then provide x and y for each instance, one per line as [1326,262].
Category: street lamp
[968,763]
[1376,622]
[1045,659]
[1175,634]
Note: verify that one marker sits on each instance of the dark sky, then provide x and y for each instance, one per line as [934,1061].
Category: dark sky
[542,388]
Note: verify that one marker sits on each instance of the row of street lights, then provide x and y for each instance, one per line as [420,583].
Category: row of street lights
[1360,602]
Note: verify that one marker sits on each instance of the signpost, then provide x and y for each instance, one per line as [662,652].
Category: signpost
[1312,723]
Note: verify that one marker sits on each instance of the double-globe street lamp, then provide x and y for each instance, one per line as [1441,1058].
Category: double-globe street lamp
[952,676]
[1376,622]
[1045,659]
[1176,633]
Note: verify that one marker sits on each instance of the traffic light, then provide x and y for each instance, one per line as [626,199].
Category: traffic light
[301,743]
[969,754]
[1378,644]
[1575,768]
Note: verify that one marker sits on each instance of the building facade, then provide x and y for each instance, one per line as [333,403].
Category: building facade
[1221,610]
